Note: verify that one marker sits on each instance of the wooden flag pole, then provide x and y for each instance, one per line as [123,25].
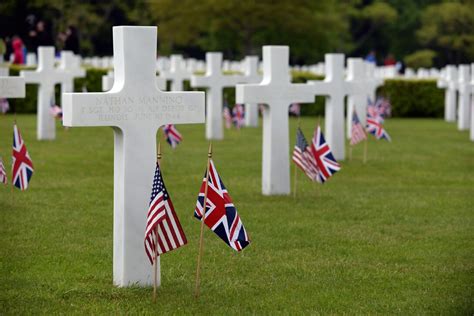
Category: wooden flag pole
[203,218]
[365,149]
[155,264]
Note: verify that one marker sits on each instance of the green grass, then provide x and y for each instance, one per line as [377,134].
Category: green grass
[394,236]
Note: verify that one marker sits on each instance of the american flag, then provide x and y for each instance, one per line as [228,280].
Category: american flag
[4,105]
[375,127]
[227,116]
[22,165]
[173,137]
[3,173]
[55,110]
[303,157]
[238,115]
[295,109]
[221,214]
[326,162]
[161,215]
[357,131]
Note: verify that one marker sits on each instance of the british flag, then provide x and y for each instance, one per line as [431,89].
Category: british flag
[325,160]
[22,165]
[357,131]
[163,231]
[55,110]
[3,173]
[221,215]
[303,157]
[238,114]
[173,137]
[295,109]
[375,127]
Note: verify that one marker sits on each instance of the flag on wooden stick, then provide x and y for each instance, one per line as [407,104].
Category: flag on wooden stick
[357,130]
[173,137]
[163,230]
[3,173]
[325,160]
[303,157]
[22,164]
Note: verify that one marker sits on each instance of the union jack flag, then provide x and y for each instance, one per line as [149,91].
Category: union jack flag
[303,157]
[55,110]
[3,173]
[4,105]
[375,127]
[325,161]
[227,116]
[173,137]
[357,131]
[238,115]
[162,218]
[295,109]
[221,215]
[22,165]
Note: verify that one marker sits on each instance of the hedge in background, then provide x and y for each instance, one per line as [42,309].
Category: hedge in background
[414,98]
[409,98]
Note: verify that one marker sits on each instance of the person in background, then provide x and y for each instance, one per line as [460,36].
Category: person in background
[17,45]
[70,39]
[40,36]
[3,49]
[389,60]
[371,58]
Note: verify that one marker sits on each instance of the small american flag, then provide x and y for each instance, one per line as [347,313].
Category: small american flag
[173,137]
[4,105]
[161,217]
[357,131]
[325,160]
[22,165]
[295,109]
[238,115]
[221,215]
[3,173]
[375,127]
[303,157]
[227,116]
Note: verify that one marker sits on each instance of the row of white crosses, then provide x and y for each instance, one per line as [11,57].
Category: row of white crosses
[46,76]
[458,82]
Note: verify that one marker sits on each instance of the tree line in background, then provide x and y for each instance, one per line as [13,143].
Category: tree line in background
[422,33]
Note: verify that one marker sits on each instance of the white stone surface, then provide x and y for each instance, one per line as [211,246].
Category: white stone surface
[277,92]
[335,88]
[356,73]
[135,108]
[108,82]
[214,81]
[31,59]
[373,81]
[11,87]
[71,67]
[449,82]
[464,98]
[471,133]
[177,73]
[46,77]
[251,75]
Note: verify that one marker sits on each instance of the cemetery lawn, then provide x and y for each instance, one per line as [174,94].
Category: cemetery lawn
[394,236]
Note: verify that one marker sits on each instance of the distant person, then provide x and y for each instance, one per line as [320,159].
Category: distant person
[371,58]
[390,60]
[40,36]
[18,57]
[71,41]
[3,49]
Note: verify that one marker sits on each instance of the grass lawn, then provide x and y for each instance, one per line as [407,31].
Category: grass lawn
[394,236]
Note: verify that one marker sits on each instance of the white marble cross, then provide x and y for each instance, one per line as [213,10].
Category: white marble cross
[335,87]
[11,87]
[277,92]
[373,81]
[108,82]
[464,99]
[448,82]
[177,73]
[215,81]
[356,72]
[46,76]
[135,108]
[251,75]
[70,65]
